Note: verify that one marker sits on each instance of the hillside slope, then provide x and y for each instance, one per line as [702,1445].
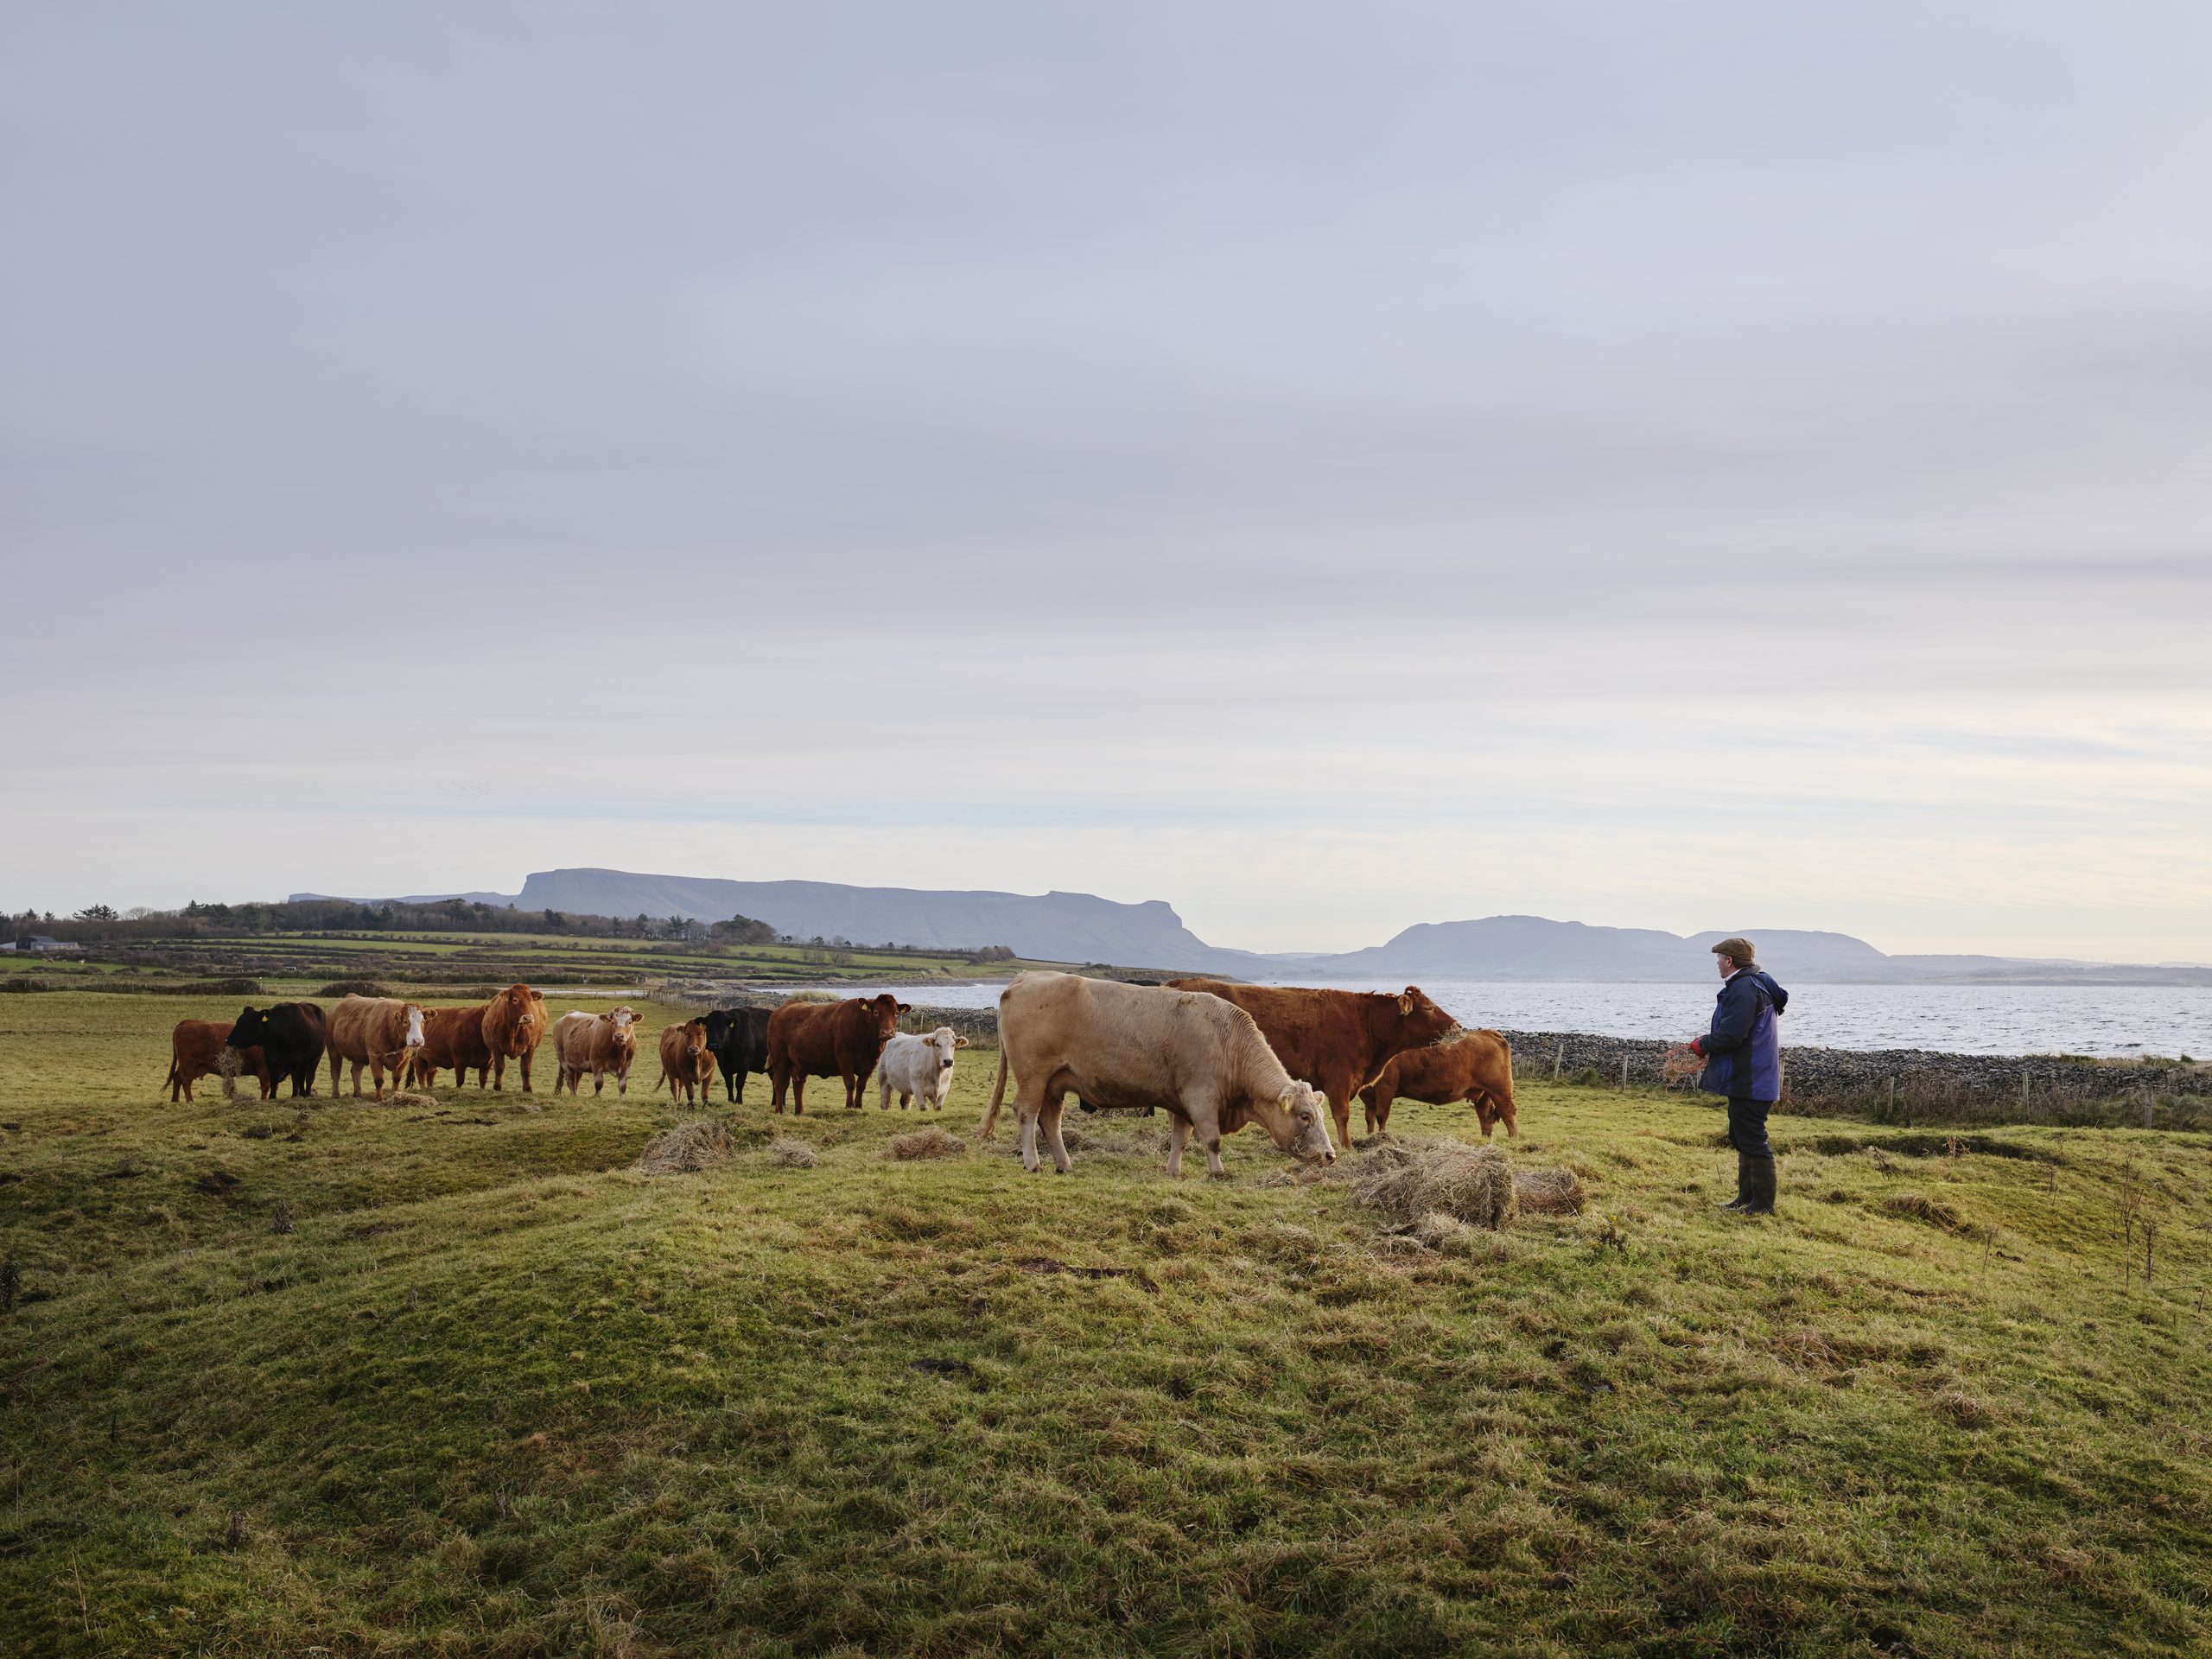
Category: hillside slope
[499,1393]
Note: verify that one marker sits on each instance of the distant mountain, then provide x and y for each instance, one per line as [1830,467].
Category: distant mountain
[1082,927]
[1048,927]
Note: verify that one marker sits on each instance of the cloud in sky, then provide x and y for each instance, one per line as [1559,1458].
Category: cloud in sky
[1682,466]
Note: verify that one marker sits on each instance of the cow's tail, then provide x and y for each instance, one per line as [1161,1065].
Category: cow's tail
[998,1094]
[170,1081]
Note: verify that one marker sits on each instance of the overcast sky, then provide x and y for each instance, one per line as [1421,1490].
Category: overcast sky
[1330,468]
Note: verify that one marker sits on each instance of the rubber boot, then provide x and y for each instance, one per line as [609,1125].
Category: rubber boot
[1742,1184]
[1759,1189]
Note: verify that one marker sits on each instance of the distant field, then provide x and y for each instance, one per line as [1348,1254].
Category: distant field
[498,1394]
[294,964]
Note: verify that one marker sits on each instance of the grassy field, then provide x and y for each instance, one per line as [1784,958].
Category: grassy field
[496,1393]
[294,965]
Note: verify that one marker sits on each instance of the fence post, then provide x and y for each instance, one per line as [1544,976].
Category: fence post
[2150,1101]
[1558,1060]
[1624,1078]
[2024,1085]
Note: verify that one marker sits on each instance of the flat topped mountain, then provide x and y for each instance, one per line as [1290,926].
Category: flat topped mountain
[1083,927]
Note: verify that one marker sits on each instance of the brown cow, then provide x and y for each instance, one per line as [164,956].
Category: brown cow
[1336,1040]
[686,1062]
[196,1050]
[829,1039]
[514,1025]
[454,1038]
[1475,1065]
[597,1043]
[375,1031]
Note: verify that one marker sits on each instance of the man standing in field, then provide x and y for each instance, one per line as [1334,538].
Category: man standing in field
[1743,1061]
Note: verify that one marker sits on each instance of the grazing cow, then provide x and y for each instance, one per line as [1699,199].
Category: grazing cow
[377,1032]
[196,1049]
[918,1068]
[1475,1065]
[451,1037]
[291,1037]
[829,1039]
[1336,1040]
[738,1038]
[1200,1057]
[686,1063]
[514,1025]
[597,1043]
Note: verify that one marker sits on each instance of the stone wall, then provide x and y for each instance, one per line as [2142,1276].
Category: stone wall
[1911,1085]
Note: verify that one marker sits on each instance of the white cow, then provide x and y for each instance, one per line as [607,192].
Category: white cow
[919,1068]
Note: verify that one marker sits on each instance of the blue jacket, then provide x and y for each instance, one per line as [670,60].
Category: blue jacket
[1743,1052]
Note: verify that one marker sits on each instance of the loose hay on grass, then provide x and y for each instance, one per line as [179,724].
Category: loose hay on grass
[932,1143]
[686,1147]
[796,1155]
[1548,1192]
[1409,1180]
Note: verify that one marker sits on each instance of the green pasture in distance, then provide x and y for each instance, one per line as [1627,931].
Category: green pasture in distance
[497,1392]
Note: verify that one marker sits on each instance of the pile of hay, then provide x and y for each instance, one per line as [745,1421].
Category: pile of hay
[1409,1181]
[795,1154]
[686,1147]
[1548,1192]
[231,1065]
[402,1097]
[932,1143]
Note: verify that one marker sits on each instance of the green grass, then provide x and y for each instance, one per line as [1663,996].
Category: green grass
[499,1393]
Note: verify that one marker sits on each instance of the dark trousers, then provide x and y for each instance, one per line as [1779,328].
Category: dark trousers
[1747,1126]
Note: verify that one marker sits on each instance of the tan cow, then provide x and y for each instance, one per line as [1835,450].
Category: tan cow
[514,1025]
[1201,1060]
[597,1043]
[686,1062]
[377,1032]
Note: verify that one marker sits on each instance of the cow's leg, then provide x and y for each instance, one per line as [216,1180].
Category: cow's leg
[499,1071]
[1340,1108]
[883,1095]
[1178,1136]
[1049,1117]
[528,1055]
[798,1094]
[356,1079]
[1027,1117]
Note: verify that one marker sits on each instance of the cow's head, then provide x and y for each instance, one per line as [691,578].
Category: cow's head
[414,1027]
[885,1008]
[623,1017]
[1305,1131]
[250,1030]
[1420,1020]
[944,1039]
[694,1038]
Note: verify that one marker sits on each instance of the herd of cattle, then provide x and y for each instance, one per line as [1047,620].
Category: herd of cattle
[1214,1055]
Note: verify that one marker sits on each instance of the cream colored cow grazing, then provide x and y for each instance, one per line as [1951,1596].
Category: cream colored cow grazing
[1199,1058]
[597,1043]
[381,1033]
[918,1069]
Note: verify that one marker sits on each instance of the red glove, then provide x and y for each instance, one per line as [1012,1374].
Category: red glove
[1697,1047]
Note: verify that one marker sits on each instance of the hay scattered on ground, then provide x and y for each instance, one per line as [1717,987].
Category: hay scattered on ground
[401,1097]
[932,1143]
[686,1147]
[1548,1192]
[797,1155]
[1410,1180]
[230,1064]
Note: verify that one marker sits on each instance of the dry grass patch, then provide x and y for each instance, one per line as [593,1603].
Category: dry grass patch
[1548,1192]
[686,1147]
[793,1155]
[932,1143]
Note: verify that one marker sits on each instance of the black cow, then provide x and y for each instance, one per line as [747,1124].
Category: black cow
[291,1037]
[738,1038]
